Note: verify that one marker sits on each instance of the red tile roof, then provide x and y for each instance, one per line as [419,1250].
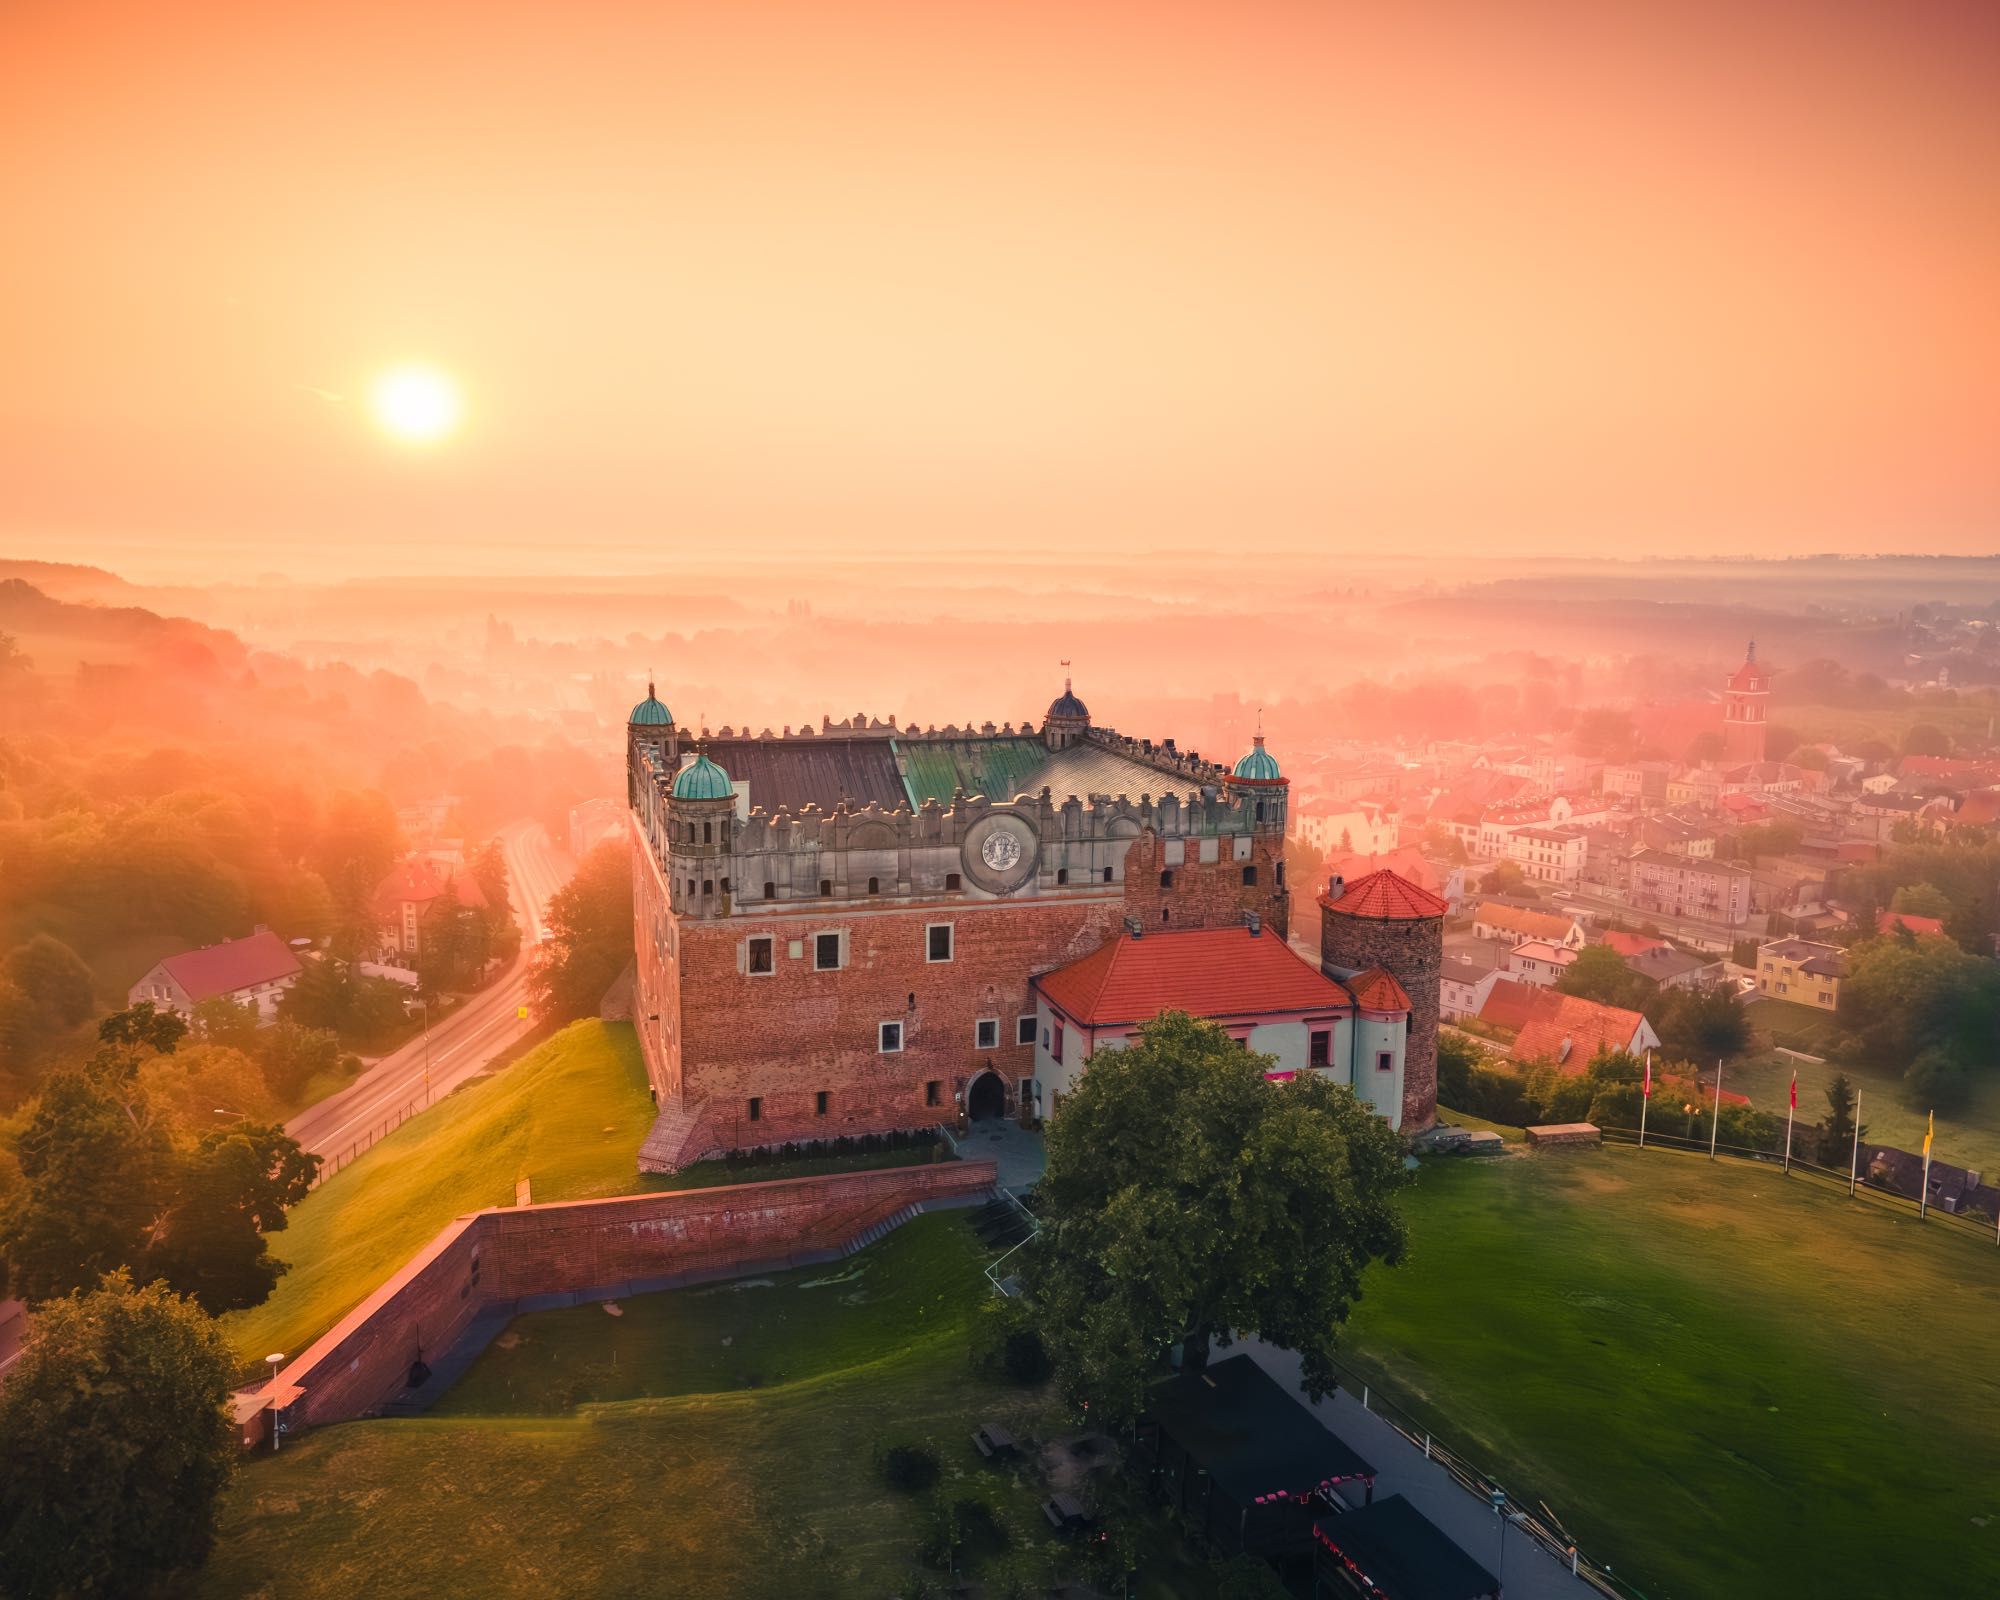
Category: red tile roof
[1207,972]
[1377,990]
[1387,895]
[1570,1031]
[235,964]
[1519,920]
[1509,1003]
[420,882]
[1920,927]
[1629,945]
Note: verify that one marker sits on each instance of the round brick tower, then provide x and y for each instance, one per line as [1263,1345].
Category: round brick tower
[1384,920]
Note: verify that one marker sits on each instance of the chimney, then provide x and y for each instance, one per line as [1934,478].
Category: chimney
[1336,886]
[1255,921]
[1135,927]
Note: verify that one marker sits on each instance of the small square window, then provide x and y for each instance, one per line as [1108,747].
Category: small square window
[1167,878]
[1107,874]
[826,952]
[934,1092]
[756,1108]
[937,942]
[1024,1029]
[1385,1061]
[826,887]
[760,955]
[890,1038]
[1062,874]
[819,1103]
[770,890]
[952,883]
[1321,1053]
[1249,877]
[874,885]
[986,1034]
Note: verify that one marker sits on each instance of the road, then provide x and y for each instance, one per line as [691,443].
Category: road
[461,1044]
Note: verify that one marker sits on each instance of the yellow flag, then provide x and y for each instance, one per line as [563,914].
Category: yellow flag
[1930,1133]
[522,1011]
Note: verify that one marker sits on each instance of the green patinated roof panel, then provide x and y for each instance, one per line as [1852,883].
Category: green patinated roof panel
[996,768]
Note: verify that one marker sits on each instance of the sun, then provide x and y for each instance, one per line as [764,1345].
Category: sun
[416,404]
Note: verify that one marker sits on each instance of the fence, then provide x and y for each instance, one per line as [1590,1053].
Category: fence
[370,1136]
[1540,1524]
[1973,1224]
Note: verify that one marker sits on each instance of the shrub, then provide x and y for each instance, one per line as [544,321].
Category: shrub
[909,1467]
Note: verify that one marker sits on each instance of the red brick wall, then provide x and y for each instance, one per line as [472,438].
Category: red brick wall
[1206,894]
[656,1001]
[504,1255]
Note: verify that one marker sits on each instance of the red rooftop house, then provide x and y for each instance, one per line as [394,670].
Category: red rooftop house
[1245,979]
[405,899]
[257,970]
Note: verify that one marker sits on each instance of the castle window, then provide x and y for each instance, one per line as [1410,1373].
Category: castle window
[708,886]
[1062,874]
[1249,877]
[1385,1061]
[1167,878]
[952,883]
[986,1034]
[760,955]
[1320,1049]
[708,833]
[770,890]
[756,1108]
[933,1092]
[725,886]
[1024,1029]
[1107,874]
[826,952]
[826,886]
[874,885]
[889,1038]
[819,1103]
[937,941]
[1281,874]
[1166,914]
[1260,811]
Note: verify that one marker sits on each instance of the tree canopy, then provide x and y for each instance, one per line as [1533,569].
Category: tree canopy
[1187,1199]
[590,923]
[114,1444]
[1925,1008]
[1599,973]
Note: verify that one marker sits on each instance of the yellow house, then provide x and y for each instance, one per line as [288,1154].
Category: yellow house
[1801,971]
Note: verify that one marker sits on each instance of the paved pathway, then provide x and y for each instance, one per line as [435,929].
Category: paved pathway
[1018,1152]
[1529,1572]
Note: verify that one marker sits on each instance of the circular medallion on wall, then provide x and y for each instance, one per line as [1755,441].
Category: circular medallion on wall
[1000,852]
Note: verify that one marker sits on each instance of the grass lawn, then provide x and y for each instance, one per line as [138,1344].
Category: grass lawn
[1967,1138]
[1848,725]
[1797,1027]
[736,1492]
[712,1174]
[1725,1382]
[568,1117]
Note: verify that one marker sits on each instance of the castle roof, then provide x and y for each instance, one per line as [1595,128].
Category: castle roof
[1066,705]
[1387,895]
[650,712]
[702,779]
[1207,972]
[1377,990]
[1258,765]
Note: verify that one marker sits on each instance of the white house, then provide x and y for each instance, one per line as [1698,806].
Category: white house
[256,970]
[1268,998]
[1538,962]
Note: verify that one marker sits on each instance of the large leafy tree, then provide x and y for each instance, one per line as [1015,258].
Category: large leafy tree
[1188,1199]
[233,1189]
[53,982]
[590,922]
[114,1444]
[1599,973]
[1910,1003]
[1700,1025]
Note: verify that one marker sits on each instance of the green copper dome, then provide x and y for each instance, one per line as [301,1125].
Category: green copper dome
[704,780]
[1259,765]
[650,713]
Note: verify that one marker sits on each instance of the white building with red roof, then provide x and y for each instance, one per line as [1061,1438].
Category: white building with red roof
[1245,979]
[405,898]
[257,970]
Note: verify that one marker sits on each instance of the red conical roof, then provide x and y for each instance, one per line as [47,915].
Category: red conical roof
[1377,990]
[1388,895]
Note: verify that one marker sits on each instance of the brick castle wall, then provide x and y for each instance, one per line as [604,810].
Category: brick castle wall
[498,1257]
[1413,950]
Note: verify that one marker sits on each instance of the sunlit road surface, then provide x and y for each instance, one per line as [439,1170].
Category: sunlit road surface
[461,1044]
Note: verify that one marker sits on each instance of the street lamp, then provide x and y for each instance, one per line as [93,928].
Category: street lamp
[275,1360]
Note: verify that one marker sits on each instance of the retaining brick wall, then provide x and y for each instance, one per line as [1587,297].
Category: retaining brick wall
[494,1258]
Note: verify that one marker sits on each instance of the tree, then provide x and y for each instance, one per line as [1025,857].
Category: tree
[1701,1025]
[1834,1144]
[53,982]
[1599,973]
[114,1444]
[292,1055]
[188,1087]
[1187,1198]
[1458,1058]
[1911,1003]
[1706,747]
[1506,878]
[1921,900]
[590,926]
[223,1021]
[1925,739]
[234,1188]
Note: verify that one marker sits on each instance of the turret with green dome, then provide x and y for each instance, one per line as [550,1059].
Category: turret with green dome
[702,779]
[1259,765]
[650,712]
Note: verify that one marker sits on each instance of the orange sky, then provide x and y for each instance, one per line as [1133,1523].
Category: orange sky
[1533,276]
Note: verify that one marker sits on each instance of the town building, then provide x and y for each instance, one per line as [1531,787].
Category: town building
[413,893]
[1746,701]
[1495,919]
[1249,982]
[1802,971]
[1538,962]
[1684,886]
[253,971]
[1675,969]
[1464,986]
[838,929]
[1570,1032]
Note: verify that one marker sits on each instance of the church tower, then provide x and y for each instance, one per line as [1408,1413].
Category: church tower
[1744,700]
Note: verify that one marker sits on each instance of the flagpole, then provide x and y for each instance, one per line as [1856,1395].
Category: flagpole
[1715,1122]
[1924,1194]
[1854,1159]
[1790,1112]
[1645,1099]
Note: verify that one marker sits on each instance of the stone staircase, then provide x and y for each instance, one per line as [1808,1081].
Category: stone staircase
[675,1140]
[862,1240]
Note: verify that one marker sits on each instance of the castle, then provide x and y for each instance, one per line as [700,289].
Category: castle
[840,931]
